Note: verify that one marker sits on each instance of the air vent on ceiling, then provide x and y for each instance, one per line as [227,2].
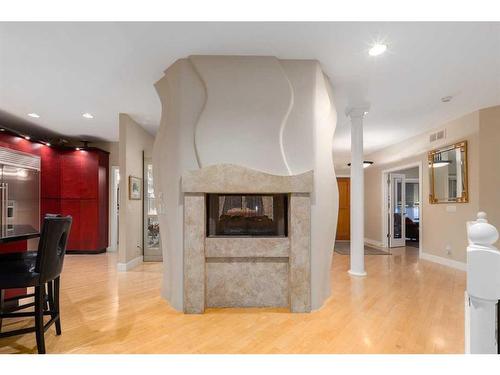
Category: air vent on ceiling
[437,136]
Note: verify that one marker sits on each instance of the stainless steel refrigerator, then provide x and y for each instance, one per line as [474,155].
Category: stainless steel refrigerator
[19,193]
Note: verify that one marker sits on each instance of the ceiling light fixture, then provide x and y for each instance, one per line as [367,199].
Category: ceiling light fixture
[366,163]
[27,137]
[47,144]
[34,115]
[88,115]
[377,49]
[446,99]
[78,149]
[441,163]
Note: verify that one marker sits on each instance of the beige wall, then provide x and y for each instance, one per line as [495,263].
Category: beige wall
[113,149]
[133,141]
[439,227]
[489,170]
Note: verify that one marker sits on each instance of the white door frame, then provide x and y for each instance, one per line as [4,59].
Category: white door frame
[113,215]
[385,210]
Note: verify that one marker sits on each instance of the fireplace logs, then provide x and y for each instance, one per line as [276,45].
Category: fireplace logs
[247,215]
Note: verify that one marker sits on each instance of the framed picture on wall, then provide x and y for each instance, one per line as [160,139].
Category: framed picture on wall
[134,188]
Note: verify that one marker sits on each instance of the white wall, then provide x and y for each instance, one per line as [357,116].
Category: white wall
[276,116]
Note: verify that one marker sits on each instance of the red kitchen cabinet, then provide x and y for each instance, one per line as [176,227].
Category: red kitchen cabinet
[72,207]
[49,206]
[84,195]
[72,182]
[70,175]
[89,174]
[50,174]
[79,174]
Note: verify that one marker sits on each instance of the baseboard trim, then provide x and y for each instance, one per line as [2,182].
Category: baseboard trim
[123,267]
[85,252]
[444,261]
[377,244]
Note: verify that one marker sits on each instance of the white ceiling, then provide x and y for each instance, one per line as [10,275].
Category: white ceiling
[60,70]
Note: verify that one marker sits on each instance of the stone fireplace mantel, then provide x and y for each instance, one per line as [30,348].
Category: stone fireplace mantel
[246,271]
[229,178]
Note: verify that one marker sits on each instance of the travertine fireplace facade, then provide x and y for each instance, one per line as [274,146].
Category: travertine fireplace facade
[256,267]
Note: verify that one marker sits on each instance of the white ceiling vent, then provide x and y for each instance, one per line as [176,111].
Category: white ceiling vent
[437,136]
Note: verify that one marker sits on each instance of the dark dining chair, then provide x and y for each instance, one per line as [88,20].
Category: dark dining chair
[41,270]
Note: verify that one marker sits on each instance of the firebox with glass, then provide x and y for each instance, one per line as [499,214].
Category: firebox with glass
[247,215]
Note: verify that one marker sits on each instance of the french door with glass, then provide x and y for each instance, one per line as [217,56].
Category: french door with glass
[397,210]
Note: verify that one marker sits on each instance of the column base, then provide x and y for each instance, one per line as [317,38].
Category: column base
[354,273]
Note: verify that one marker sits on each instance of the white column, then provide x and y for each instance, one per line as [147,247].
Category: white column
[357,192]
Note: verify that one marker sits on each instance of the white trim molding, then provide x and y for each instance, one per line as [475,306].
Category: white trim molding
[377,244]
[444,261]
[123,267]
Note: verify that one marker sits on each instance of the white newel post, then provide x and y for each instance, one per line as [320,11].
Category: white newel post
[357,192]
[483,288]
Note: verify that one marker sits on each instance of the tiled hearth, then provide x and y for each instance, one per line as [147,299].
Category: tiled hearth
[246,271]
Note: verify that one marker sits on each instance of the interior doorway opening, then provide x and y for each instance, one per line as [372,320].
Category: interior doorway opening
[151,231]
[402,202]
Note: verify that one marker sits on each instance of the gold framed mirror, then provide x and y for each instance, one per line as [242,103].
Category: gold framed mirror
[448,175]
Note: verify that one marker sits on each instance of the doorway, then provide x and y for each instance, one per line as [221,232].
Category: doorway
[151,232]
[344,218]
[402,197]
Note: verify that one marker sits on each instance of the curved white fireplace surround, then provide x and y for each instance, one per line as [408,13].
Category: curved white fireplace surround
[270,115]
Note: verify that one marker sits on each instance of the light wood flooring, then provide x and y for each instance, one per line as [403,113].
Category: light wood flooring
[404,305]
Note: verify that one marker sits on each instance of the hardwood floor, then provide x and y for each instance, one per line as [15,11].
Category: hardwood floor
[404,305]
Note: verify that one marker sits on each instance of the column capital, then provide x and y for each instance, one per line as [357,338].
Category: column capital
[357,112]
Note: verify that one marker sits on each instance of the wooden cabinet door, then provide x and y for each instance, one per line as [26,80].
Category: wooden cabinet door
[79,171]
[50,174]
[344,220]
[72,207]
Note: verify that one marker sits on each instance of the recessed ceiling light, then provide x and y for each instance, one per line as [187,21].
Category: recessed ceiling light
[88,115]
[446,99]
[47,144]
[78,149]
[34,115]
[377,49]
[27,137]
